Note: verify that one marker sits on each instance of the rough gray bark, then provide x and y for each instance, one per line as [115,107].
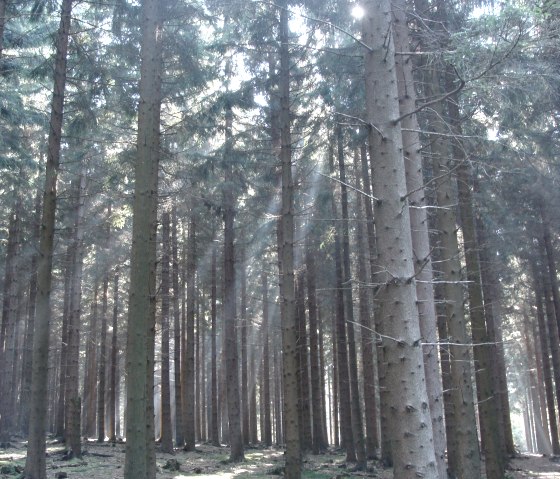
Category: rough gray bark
[419,225]
[214,424]
[265,396]
[101,389]
[411,436]
[140,451]
[35,464]
[287,294]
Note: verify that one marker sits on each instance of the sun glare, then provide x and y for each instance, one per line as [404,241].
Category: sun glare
[357,12]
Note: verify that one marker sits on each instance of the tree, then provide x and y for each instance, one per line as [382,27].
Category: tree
[140,453]
[411,435]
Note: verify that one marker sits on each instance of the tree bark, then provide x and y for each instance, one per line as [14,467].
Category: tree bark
[140,452]
[35,464]
[178,420]
[265,397]
[215,431]
[287,295]
[411,436]
[244,351]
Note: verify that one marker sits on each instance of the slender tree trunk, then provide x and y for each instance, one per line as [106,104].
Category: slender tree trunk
[114,366]
[265,397]
[178,419]
[306,439]
[287,293]
[373,441]
[550,263]
[3,4]
[319,443]
[547,369]
[140,452]
[197,369]
[357,425]
[367,338]
[29,335]
[35,465]
[90,379]
[166,437]
[101,390]
[215,431]
[188,362]
[411,436]
[9,321]
[463,448]
[244,328]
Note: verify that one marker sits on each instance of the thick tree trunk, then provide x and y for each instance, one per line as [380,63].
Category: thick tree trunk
[230,308]
[419,226]
[140,452]
[411,436]
[35,465]
[72,395]
[286,250]
[166,436]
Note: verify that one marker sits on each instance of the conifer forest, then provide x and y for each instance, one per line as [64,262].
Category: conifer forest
[280,238]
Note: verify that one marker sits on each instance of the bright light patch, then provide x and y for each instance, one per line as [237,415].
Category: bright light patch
[357,12]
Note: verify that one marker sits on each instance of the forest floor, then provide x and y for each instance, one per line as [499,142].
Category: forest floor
[106,461]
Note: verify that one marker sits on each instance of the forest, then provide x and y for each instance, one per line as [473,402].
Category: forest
[279,238]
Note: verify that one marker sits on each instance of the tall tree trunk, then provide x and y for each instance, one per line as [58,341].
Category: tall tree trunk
[287,293]
[462,446]
[265,396]
[90,379]
[29,335]
[411,436]
[178,419]
[550,263]
[244,329]
[304,394]
[60,415]
[188,361]
[140,451]
[483,352]
[342,379]
[419,226]
[101,389]
[373,439]
[72,395]
[35,464]
[229,308]
[114,363]
[9,321]
[357,425]
[3,4]
[214,431]
[367,338]
[547,369]
[319,443]
[166,437]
